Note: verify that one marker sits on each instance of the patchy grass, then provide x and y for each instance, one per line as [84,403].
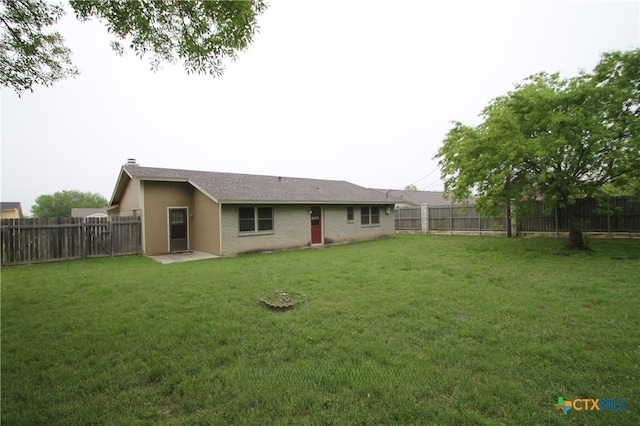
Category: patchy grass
[408,330]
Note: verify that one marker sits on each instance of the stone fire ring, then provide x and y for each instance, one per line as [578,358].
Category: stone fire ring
[281,300]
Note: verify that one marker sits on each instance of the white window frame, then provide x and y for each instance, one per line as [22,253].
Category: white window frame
[369,216]
[256,221]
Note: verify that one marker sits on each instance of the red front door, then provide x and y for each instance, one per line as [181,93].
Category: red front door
[316,225]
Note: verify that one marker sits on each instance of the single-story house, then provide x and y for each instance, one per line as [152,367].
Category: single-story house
[228,214]
[11,210]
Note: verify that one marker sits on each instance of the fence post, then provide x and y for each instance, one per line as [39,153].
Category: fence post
[3,235]
[556,216]
[83,238]
[111,235]
[424,218]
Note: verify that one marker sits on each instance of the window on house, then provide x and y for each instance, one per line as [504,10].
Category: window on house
[364,215]
[251,219]
[265,219]
[247,222]
[349,214]
[370,215]
[375,215]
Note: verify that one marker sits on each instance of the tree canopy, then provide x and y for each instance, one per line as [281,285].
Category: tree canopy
[200,34]
[561,140]
[60,203]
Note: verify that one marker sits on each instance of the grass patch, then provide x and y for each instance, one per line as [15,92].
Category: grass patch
[408,330]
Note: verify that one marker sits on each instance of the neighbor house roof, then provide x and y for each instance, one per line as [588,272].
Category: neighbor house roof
[11,205]
[232,187]
[88,212]
[433,198]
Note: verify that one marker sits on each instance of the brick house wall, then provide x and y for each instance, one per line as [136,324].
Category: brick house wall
[292,228]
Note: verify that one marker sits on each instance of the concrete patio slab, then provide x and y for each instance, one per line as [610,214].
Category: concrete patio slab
[183,256]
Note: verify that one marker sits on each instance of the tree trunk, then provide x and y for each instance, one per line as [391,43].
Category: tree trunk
[506,190]
[576,238]
[509,219]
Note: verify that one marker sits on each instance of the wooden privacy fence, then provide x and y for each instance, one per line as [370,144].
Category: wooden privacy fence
[619,215]
[408,219]
[48,240]
[463,218]
[453,218]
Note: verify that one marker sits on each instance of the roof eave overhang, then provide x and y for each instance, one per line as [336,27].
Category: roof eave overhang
[119,188]
[161,179]
[307,202]
[120,183]
[202,190]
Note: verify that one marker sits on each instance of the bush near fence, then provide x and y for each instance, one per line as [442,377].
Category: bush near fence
[619,217]
[66,238]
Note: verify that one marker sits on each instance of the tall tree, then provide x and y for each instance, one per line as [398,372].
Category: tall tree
[562,140]
[201,34]
[59,204]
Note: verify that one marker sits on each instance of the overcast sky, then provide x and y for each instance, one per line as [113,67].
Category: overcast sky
[362,91]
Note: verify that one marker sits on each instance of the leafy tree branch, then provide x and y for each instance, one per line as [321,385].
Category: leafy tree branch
[199,34]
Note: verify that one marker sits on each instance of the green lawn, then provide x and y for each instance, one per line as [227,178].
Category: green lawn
[407,330]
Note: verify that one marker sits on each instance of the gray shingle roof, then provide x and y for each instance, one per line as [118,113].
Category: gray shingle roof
[256,188]
[9,205]
[86,212]
[433,198]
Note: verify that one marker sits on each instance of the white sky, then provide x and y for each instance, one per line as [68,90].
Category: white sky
[362,91]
